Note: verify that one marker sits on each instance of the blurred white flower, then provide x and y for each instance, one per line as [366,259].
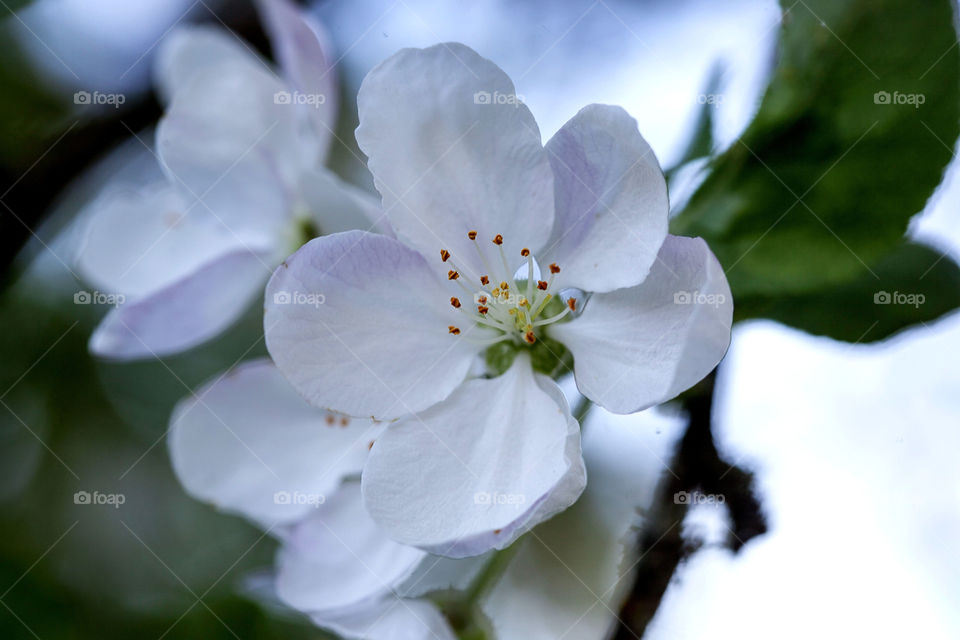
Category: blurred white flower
[475,199]
[242,152]
[248,443]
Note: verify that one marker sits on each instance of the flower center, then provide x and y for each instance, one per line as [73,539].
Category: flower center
[516,309]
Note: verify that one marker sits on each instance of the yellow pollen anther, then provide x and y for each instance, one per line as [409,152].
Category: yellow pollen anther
[472,235]
[504,286]
[495,293]
[554,268]
[455,302]
[498,239]
[572,303]
[454,330]
[482,309]
[444,255]
[484,280]
[525,252]
[512,312]
[542,285]
[452,275]
[524,303]
[529,337]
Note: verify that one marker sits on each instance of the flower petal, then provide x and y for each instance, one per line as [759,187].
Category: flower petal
[232,150]
[337,558]
[634,348]
[372,338]
[611,201]
[447,161]
[190,48]
[390,619]
[335,205]
[570,576]
[138,241]
[302,48]
[476,471]
[185,313]
[248,443]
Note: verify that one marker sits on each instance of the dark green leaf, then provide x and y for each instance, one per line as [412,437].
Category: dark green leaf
[915,284]
[823,182]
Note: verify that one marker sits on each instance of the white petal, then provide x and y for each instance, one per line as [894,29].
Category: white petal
[438,573]
[358,323]
[634,348]
[446,164]
[185,313]
[337,559]
[231,149]
[302,48]
[611,201]
[571,574]
[335,205]
[390,619]
[137,242]
[190,48]
[248,443]
[476,471]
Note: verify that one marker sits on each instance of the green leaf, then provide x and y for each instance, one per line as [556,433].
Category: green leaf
[823,182]
[700,144]
[915,284]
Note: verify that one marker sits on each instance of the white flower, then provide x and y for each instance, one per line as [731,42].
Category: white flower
[249,444]
[242,151]
[474,197]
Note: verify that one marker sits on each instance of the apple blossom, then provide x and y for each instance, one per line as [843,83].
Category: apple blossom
[242,151]
[493,232]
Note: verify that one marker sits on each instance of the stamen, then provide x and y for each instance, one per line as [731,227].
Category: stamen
[504,286]
[455,302]
[572,303]
[482,309]
[540,323]
[542,285]
[330,419]
[454,330]
[525,252]
[344,421]
[444,255]
[482,299]
[472,235]
[484,280]
[529,337]
[554,268]
[498,239]
[452,275]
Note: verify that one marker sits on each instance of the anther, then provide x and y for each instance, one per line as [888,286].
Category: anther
[330,419]
[530,337]
[498,239]
[572,303]
[452,275]
[554,268]
[525,252]
[482,299]
[504,286]
[482,309]
[344,421]
[484,280]
[542,285]
[444,255]
[472,235]
[452,329]
[455,302]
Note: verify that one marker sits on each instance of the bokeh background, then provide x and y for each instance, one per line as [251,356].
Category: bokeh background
[835,421]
